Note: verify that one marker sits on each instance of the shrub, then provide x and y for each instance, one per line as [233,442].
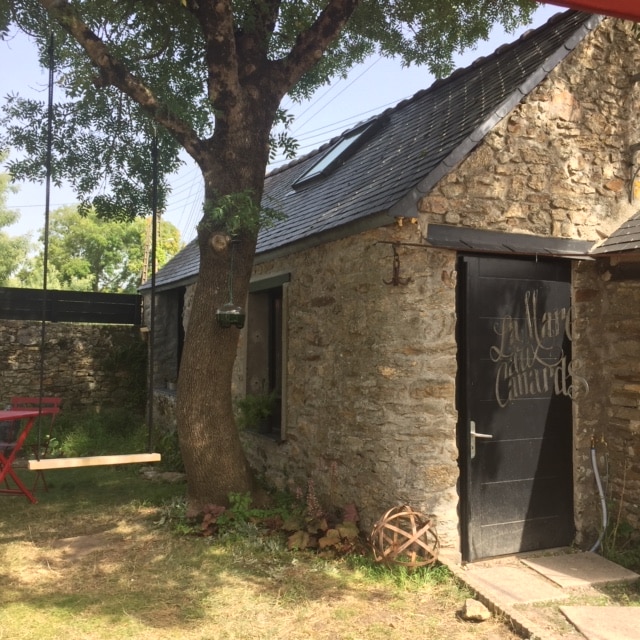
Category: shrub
[111,431]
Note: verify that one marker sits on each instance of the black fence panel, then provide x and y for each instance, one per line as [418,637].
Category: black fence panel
[70,306]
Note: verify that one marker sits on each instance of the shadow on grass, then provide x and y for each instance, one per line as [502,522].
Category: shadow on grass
[90,554]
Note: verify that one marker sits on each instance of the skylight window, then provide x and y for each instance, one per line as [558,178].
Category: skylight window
[339,152]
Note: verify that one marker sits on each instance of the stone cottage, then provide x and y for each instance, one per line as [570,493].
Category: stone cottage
[436,315]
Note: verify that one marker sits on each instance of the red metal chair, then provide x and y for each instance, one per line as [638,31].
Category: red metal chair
[43,447]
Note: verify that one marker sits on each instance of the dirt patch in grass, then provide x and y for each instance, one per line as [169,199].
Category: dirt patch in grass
[99,567]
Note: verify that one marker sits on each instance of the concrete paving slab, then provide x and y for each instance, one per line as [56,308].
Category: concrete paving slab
[511,585]
[605,623]
[579,570]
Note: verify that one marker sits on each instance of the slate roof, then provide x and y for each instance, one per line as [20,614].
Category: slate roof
[624,239]
[421,140]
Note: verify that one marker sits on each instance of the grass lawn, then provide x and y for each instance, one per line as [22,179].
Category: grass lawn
[95,558]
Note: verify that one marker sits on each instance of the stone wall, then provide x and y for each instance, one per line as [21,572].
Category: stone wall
[559,164]
[371,367]
[88,365]
[608,345]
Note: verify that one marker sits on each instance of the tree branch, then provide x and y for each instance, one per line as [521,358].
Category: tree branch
[216,21]
[312,43]
[114,72]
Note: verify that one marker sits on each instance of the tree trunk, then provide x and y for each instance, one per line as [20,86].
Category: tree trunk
[214,460]
[209,440]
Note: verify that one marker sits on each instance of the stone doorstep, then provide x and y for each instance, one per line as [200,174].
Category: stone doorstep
[495,597]
[512,585]
[505,584]
[605,623]
[576,570]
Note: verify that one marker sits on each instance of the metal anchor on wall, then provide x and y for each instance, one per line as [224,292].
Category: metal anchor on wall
[396,280]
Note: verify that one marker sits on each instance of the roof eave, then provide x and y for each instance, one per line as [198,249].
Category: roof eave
[366,223]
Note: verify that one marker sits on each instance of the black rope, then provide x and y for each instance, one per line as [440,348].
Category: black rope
[47,204]
[152,310]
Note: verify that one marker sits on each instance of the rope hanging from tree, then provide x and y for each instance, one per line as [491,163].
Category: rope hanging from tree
[47,207]
[59,463]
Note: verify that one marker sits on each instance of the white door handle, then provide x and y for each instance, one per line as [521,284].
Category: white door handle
[472,440]
[481,435]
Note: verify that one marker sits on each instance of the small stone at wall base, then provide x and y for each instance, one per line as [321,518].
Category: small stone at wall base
[474,611]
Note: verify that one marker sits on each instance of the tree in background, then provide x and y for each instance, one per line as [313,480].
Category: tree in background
[87,253]
[209,77]
[13,249]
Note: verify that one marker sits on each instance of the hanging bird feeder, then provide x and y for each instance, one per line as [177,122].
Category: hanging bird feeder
[230,314]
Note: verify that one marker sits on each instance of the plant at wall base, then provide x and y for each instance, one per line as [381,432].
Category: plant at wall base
[622,545]
[313,528]
[87,433]
[621,542]
[169,449]
[255,410]
[297,525]
[241,517]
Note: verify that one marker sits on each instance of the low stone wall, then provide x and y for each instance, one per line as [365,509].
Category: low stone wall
[88,365]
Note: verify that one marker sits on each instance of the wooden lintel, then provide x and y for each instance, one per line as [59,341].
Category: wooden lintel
[91,461]
[622,258]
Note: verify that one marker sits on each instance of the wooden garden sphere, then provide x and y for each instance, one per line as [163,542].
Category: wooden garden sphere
[405,537]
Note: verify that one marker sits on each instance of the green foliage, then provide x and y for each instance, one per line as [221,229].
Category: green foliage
[621,544]
[239,213]
[400,576]
[297,525]
[104,142]
[169,448]
[280,137]
[13,249]
[418,32]
[126,370]
[5,19]
[239,518]
[110,432]
[255,410]
[89,253]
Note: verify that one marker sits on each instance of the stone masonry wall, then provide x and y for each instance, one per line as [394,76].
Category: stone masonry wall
[559,165]
[88,365]
[608,328]
[371,379]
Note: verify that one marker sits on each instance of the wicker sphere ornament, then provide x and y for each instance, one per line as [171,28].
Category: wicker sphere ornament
[405,537]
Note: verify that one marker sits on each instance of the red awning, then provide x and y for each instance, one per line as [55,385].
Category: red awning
[628,9]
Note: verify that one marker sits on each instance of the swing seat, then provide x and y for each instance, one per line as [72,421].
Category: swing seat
[91,461]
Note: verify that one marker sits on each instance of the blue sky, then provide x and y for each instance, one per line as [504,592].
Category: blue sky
[369,89]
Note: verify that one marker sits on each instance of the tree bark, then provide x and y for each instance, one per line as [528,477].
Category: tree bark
[209,441]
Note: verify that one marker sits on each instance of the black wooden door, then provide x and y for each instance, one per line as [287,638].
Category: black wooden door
[515,392]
